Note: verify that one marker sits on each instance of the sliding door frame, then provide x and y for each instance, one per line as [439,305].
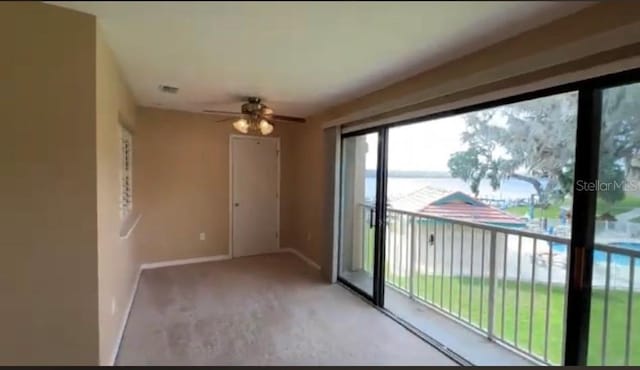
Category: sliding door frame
[580,269]
[580,264]
[377,298]
[381,218]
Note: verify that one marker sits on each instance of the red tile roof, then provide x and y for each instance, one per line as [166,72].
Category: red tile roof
[458,205]
[473,213]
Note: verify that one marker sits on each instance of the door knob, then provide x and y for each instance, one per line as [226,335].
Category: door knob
[236,204]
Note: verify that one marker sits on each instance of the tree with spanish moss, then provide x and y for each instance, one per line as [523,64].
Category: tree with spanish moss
[534,141]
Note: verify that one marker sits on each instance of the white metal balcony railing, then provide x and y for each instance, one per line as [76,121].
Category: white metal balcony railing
[508,284]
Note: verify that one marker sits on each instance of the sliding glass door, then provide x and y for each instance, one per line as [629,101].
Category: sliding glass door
[360,232]
[478,224]
[614,325]
[519,218]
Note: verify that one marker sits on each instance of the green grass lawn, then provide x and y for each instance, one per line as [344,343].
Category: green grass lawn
[627,204]
[553,211]
[460,305]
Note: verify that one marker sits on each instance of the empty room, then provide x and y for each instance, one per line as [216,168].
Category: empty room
[320,183]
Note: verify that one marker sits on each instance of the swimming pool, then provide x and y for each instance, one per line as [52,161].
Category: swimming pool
[628,245]
[599,256]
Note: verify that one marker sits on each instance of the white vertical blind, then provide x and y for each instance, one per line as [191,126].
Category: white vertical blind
[126,171]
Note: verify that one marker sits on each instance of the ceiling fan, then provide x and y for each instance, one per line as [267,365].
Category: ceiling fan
[255,116]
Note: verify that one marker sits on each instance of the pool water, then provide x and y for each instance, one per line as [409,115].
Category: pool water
[629,245]
[598,256]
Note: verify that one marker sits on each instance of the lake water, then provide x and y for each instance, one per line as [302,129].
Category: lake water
[511,189]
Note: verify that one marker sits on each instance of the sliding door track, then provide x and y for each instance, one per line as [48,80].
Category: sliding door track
[452,355]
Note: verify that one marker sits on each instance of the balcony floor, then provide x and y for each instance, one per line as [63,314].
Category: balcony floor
[462,340]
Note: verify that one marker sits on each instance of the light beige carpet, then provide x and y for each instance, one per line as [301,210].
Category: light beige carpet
[265,310]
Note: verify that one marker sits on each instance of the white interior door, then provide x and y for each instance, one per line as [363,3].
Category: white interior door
[254,195]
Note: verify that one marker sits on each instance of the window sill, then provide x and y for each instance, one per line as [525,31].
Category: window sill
[128,224]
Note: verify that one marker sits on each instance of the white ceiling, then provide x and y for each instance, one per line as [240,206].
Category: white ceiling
[301,57]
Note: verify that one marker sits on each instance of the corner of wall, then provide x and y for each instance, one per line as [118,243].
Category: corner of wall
[118,258]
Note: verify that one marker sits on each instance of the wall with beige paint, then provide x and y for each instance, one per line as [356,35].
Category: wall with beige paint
[181,184]
[309,206]
[118,260]
[609,31]
[48,226]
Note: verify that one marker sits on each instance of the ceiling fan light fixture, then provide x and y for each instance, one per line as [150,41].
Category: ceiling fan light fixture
[241,125]
[265,127]
[254,117]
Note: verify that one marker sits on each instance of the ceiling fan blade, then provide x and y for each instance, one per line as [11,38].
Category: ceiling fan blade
[279,117]
[266,111]
[221,112]
[225,120]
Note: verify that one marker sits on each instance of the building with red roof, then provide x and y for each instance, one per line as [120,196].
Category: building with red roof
[456,205]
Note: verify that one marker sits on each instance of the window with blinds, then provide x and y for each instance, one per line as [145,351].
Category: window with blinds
[126,172]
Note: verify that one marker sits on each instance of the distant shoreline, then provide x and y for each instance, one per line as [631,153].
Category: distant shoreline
[404,182]
[413,174]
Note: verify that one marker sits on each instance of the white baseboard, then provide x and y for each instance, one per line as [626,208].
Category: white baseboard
[186,261]
[125,318]
[300,255]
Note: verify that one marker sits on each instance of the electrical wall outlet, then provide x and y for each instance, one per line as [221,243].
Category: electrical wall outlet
[202,236]
[113,305]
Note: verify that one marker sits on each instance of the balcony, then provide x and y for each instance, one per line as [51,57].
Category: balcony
[496,295]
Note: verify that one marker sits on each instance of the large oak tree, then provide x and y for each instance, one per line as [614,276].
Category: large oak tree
[534,141]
